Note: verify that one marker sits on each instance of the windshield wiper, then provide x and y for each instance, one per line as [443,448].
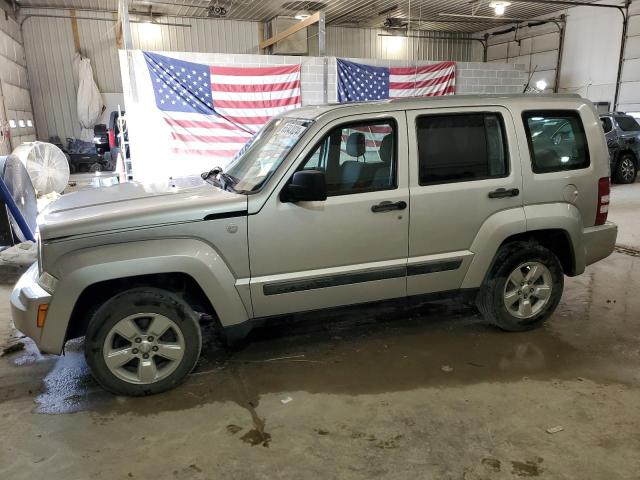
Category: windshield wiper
[224,180]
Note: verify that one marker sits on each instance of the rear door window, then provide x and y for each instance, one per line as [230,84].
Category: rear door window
[461,148]
[557,140]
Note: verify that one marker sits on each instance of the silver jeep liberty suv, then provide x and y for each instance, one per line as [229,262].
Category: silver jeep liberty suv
[328,206]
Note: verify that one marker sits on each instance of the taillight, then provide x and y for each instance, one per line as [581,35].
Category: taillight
[603,201]
[112,138]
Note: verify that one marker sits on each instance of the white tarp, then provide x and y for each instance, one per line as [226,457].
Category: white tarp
[89,99]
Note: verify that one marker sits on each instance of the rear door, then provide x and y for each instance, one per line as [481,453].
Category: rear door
[463,169]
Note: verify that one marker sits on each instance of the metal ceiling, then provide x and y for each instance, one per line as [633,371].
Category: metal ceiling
[424,14]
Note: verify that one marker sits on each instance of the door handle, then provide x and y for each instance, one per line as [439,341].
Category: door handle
[504,193]
[389,206]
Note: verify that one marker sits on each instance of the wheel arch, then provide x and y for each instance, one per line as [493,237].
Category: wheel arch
[554,226]
[190,261]
[96,294]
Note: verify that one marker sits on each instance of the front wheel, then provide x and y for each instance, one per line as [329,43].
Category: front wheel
[142,341]
[626,170]
[524,287]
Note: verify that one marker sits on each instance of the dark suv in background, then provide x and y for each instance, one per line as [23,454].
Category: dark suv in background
[623,139]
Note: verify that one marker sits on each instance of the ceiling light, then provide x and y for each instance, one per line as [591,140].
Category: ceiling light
[499,7]
[302,15]
[541,85]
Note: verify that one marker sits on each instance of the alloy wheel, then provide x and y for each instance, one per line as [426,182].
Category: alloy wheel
[627,169]
[528,290]
[143,348]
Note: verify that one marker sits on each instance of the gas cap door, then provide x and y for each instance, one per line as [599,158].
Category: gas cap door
[571,193]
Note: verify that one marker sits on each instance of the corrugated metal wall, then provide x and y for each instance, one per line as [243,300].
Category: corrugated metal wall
[50,49]
[369,43]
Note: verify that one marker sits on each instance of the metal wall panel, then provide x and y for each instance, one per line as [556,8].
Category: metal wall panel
[369,43]
[16,116]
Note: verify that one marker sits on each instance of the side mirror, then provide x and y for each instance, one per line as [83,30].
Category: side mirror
[306,186]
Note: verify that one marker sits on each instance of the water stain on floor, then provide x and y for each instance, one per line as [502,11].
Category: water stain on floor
[527,468]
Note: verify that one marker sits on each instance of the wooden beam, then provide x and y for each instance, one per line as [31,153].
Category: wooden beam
[74,30]
[118,31]
[261,34]
[315,18]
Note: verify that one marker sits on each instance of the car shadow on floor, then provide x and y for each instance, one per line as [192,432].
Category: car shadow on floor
[357,350]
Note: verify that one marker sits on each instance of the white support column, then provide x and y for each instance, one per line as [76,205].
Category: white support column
[322,52]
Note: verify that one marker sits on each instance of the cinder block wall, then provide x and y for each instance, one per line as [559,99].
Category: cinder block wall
[471,77]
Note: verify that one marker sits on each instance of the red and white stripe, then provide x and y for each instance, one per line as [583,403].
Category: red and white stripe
[246,99]
[206,135]
[428,80]
[249,97]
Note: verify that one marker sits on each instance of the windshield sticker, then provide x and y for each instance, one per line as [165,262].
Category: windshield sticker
[291,129]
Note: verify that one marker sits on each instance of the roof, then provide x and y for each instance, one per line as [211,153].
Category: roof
[439,15]
[315,111]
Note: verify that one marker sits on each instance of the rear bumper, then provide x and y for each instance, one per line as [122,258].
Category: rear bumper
[599,242]
[26,297]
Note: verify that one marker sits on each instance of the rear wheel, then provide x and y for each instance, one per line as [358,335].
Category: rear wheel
[142,341]
[523,288]
[626,170]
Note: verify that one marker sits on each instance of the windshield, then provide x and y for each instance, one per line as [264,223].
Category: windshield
[257,161]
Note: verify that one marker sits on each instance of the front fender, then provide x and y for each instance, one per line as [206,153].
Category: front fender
[81,268]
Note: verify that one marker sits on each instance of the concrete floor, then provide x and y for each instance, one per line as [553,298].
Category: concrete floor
[424,392]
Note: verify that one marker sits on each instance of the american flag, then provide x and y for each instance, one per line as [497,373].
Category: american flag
[360,83]
[210,112]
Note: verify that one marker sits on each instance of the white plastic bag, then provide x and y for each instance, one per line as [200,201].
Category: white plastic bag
[90,103]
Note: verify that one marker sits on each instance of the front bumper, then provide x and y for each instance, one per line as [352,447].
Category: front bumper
[599,242]
[26,297]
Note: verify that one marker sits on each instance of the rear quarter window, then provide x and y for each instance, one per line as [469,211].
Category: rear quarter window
[557,140]
[627,124]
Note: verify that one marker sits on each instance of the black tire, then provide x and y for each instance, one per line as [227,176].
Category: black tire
[109,162]
[491,302]
[626,169]
[95,167]
[137,301]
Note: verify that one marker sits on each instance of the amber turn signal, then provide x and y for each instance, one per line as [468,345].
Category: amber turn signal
[42,315]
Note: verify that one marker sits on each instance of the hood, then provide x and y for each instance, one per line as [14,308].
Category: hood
[135,205]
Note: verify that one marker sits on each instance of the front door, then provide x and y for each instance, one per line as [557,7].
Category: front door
[464,168]
[351,248]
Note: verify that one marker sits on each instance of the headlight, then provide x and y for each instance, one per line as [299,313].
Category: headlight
[47,282]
